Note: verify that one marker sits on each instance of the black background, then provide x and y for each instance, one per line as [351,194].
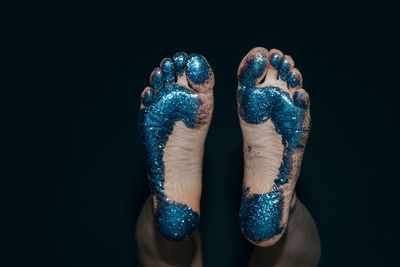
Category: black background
[74,177]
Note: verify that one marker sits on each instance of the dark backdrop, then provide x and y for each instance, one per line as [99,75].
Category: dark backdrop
[74,177]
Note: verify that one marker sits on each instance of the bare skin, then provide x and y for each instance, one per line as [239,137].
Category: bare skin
[297,245]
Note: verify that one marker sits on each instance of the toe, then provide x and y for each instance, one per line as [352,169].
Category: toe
[157,79]
[168,71]
[294,79]
[301,99]
[180,62]
[148,96]
[286,65]
[253,67]
[199,73]
[274,58]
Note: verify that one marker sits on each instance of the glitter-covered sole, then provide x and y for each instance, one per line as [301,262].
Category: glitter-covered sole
[261,214]
[162,105]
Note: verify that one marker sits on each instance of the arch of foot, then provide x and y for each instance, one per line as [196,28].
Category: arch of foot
[162,105]
[261,214]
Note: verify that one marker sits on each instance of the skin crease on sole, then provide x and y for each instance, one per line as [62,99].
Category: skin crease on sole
[275,121]
[175,114]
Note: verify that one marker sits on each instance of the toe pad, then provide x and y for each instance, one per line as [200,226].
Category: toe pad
[148,97]
[180,61]
[253,67]
[197,69]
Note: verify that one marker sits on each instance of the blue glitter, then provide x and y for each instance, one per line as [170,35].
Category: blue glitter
[157,79]
[284,68]
[253,69]
[293,79]
[168,71]
[175,221]
[275,60]
[180,62]
[149,97]
[300,100]
[260,214]
[173,103]
[197,69]
[257,105]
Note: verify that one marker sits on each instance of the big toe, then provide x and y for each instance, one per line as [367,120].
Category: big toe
[253,67]
[199,73]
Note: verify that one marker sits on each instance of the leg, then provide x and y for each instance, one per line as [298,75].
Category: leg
[155,250]
[299,246]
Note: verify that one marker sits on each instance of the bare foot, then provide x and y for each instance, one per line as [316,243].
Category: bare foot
[275,120]
[174,118]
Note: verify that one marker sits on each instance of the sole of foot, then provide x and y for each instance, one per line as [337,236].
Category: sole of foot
[175,114]
[275,121]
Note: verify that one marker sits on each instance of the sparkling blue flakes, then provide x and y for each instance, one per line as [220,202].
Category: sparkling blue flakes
[298,99]
[157,79]
[284,69]
[175,221]
[293,79]
[149,97]
[253,69]
[260,214]
[197,69]
[168,71]
[275,60]
[180,61]
[257,105]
